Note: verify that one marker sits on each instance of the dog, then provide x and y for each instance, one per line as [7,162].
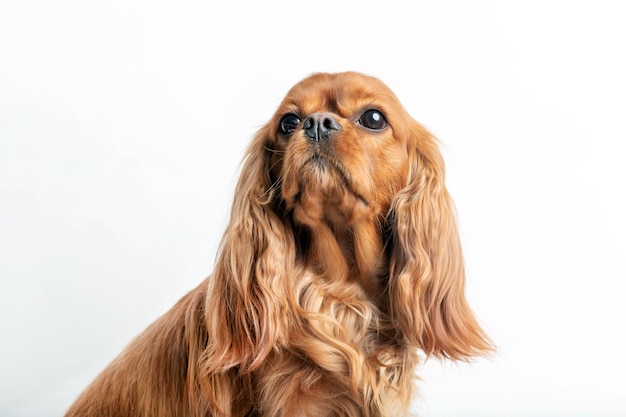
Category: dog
[340,270]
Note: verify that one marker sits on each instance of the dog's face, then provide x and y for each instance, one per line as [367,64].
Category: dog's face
[340,149]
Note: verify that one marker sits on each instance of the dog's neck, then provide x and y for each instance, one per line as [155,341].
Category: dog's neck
[344,238]
[341,252]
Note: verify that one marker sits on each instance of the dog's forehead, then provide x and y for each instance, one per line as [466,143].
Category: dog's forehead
[341,93]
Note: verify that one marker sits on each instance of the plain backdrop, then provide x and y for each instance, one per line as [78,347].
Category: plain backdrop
[123,124]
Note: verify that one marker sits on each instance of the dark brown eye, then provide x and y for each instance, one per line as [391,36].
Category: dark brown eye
[288,123]
[373,119]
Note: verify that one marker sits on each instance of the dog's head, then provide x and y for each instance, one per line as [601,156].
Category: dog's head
[341,149]
[344,182]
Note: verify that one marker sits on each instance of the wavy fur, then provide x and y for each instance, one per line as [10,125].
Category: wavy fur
[340,263]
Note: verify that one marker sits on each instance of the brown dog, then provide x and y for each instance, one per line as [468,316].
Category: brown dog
[340,263]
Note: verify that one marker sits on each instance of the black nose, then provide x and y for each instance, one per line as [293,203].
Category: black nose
[320,126]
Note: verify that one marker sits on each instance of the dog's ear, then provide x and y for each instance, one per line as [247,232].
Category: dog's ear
[427,274]
[250,285]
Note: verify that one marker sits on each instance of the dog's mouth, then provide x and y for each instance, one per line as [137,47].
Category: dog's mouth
[325,165]
[321,162]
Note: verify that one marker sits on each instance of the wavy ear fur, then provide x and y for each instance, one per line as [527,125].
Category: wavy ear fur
[246,307]
[427,274]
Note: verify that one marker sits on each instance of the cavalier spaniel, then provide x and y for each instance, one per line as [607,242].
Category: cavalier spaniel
[340,269]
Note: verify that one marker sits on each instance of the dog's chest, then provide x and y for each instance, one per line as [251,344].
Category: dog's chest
[337,311]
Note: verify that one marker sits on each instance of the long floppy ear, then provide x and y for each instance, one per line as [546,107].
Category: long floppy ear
[248,290]
[427,273]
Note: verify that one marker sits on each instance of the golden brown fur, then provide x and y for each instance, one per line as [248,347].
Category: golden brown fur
[340,263]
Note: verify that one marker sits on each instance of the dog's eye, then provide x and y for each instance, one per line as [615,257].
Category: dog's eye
[373,119]
[288,123]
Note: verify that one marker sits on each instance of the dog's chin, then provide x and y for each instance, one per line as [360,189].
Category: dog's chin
[322,193]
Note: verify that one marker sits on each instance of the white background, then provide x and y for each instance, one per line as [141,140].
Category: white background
[122,125]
